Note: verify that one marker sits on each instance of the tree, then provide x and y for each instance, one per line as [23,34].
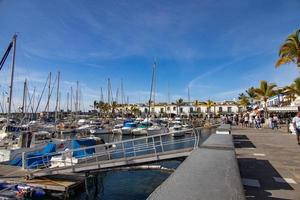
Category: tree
[114,105]
[210,104]
[264,92]
[95,104]
[251,93]
[179,103]
[244,101]
[134,110]
[290,50]
[292,90]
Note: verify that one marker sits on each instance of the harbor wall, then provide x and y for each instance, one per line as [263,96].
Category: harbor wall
[210,172]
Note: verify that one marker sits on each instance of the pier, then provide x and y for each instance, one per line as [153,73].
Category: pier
[117,154]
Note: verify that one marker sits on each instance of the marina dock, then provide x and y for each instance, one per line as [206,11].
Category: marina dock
[53,183]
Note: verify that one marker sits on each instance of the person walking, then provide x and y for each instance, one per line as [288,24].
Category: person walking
[275,121]
[257,122]
[270,122]
[296,124]
[246,120]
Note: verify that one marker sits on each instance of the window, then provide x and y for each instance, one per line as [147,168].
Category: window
[168,108]
[191,109]
[229,109]
[220,109]
[181,110]
[146,110]
[240,109]
[161,110]
[174,108]
[199,109]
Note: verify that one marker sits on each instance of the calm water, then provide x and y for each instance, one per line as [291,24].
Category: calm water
[129,185]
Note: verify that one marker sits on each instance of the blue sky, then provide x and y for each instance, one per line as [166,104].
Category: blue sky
[217,48]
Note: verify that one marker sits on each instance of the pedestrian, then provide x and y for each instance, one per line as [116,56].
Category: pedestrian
[257,122]
[270,122]
[250,121]
[296,124]
[242,121]
[275,122]
[246,120]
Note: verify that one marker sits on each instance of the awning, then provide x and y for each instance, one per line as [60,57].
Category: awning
[283,109]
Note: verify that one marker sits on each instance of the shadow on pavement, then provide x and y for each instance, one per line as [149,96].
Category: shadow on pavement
[263,171]
[242,141]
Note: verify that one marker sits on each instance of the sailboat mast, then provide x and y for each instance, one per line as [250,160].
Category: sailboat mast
[14,40]
[77,90]
[151,90]
[24,97]
[101,95]
[57,96]
[71,100]
[189,97]
[49,95]
[67,101]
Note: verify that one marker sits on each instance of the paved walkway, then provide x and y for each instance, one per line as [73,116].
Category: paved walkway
[269,163]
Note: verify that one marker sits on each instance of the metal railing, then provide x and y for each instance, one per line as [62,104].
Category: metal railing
[141,147]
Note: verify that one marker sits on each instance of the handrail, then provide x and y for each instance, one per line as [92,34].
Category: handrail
[153,144]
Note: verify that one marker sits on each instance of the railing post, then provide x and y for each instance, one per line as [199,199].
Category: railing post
[108,153]
[154,145]
[161,144]
[23,160]
[123,148]
[134,154]
[72,164]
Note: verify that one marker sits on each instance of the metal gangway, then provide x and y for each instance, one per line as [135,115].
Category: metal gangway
[117,154]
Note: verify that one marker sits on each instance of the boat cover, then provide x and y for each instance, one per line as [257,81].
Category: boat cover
[36,159]
[76,144]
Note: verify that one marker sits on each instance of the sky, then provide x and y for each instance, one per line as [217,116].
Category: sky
[216,48]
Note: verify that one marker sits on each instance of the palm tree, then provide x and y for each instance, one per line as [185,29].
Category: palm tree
[95,104]
[210,104]
[99,106]
[264,92]
[244,101]
[292,90]
[179,103]
[290,50]
[134,110]
[251,93]
[114,105]
[296,86]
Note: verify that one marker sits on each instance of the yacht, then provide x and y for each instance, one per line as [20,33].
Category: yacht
[176,129]
[142,129]
[117,129]
[128,127]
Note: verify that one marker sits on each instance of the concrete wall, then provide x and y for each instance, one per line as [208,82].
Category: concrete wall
[210,172]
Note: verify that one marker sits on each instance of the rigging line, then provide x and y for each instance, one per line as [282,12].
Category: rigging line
[30,97]
[5,55]
[40,98]
[51,92]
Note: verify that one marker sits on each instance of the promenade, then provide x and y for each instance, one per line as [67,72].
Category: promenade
[269,163]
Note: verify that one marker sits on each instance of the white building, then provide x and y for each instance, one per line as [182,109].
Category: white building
[225,107]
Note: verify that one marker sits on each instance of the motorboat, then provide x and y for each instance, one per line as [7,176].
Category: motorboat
[128,127]
[117,129]
[176,129]
[140,130]
[154,129]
